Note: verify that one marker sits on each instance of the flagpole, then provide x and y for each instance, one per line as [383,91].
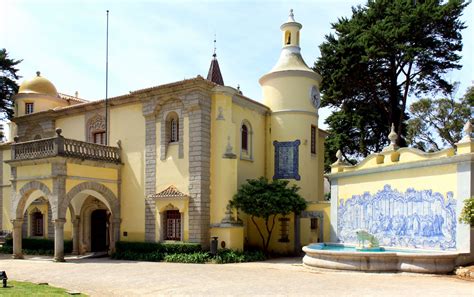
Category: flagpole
[107,83]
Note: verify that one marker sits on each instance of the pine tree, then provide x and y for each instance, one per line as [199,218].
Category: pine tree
[387,51]
[8,85]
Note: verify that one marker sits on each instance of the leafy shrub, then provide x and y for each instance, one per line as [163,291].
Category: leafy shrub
[467,213]
[231,256]
[6,250]
[197,257]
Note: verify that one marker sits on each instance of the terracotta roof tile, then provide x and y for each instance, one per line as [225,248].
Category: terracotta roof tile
[170,192]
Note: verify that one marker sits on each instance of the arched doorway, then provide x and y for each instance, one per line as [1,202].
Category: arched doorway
[99,236]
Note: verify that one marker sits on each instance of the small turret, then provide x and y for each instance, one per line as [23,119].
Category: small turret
[37,94]
[214,73]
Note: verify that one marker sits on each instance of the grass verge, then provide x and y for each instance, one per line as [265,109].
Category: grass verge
[18,289]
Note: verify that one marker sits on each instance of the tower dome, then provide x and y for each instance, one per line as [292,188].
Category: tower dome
[38,85]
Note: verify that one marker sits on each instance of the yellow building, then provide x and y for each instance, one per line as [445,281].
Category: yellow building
[165,161]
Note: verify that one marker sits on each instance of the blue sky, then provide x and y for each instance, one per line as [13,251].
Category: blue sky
[156,42]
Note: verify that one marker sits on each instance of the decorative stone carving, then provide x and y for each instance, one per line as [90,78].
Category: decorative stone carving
[229,219]
[229,150]
[220,114]
[94,125]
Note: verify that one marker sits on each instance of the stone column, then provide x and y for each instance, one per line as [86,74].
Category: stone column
[59,240]
[115,233]
[181,226]
[17,250]
[199,111]
[75,235]
[162,225]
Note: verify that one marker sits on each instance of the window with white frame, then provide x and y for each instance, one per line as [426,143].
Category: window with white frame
[29,107]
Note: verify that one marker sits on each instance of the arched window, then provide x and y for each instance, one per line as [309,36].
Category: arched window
[245,137]
[246,140]
[287,37]
[173,127]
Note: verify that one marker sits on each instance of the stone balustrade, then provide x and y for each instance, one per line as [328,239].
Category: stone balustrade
[60,146]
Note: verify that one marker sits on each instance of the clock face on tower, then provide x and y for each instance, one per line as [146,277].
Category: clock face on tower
[315,97]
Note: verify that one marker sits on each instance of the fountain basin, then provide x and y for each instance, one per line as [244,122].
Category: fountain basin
[346,257]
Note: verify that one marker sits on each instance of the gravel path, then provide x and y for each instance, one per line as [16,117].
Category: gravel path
[283,277]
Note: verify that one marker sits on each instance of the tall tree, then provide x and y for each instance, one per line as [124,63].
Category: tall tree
[436,123]
[8,85]
[387,51]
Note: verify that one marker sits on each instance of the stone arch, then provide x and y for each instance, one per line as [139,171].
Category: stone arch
[170,206]
[109,196]
[19,204]
[89,205]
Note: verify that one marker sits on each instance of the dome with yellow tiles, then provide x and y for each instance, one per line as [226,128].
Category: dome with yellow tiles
[38,85]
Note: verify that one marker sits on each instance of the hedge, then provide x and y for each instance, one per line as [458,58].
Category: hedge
[180,253]
[231,256]
[35,246]
[153,247]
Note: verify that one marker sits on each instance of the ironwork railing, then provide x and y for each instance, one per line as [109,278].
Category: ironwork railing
[60,146]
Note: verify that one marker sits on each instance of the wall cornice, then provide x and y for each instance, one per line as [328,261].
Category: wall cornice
[403,166]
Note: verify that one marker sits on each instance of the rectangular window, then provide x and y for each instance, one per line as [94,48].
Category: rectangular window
[314,223]
[313,139]
[28,108]
[99,137]
[173,225]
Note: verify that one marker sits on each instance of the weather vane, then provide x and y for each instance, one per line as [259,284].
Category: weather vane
[214,55]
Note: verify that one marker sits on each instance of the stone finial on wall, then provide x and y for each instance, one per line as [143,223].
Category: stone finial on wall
[340,159]
[340,163]
[467,129]
[393,140]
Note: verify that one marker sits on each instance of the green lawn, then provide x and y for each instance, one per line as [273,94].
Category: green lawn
[30,289]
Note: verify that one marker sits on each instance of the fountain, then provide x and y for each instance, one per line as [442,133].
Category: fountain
[375,258]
